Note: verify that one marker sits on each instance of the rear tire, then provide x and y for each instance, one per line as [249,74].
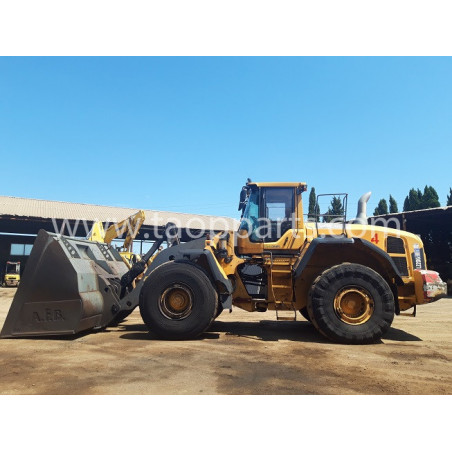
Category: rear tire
[351,303]
[178,301]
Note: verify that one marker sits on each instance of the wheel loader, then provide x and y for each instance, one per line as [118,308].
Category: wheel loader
[347,279]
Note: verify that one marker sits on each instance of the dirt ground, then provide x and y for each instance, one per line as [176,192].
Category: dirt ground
[243,353]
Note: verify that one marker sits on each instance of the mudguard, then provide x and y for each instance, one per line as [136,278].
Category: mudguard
[359,246]
[194,251]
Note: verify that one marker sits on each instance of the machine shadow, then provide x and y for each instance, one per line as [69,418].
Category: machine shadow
[140,332]
[265,330]
[394,334]
[270,330]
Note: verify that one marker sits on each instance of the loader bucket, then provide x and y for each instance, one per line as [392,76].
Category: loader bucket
[68,286]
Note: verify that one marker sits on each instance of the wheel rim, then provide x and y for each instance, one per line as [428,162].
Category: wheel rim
[176,302]
[353,305]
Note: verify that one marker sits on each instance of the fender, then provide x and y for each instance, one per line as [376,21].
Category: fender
[192,251]
[360,246]
[215,269]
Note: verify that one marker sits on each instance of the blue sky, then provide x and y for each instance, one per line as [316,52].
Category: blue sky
[183,134]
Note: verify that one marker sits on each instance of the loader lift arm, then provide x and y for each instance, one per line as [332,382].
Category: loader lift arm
[131,225]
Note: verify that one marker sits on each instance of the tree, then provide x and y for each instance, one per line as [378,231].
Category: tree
[382,208]
[314,209]
[449,198]
[413,201]
[335,212]
[430,198]
[393,207]
[416,200]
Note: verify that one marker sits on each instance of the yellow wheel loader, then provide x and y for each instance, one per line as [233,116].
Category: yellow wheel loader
[348,279]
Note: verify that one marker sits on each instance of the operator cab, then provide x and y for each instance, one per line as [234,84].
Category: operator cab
[271,216]
[12,268]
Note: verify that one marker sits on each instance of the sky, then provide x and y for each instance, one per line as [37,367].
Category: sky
[182,134]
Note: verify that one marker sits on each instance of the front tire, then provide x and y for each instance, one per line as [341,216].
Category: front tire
[352,304]
[178,301]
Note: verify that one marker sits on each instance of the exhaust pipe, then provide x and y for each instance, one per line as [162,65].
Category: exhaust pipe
[361,215]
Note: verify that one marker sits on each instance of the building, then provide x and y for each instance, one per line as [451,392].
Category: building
[22,218]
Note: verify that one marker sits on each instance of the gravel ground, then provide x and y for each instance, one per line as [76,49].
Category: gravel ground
[242,353]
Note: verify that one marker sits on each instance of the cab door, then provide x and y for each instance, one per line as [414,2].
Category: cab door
[280,210]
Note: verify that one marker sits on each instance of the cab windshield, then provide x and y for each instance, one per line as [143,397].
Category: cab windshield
[250,221]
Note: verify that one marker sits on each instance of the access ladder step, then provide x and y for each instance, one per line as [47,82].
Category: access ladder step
[292,319]
[286,314]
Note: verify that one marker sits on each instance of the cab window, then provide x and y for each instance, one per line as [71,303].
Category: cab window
[277,208]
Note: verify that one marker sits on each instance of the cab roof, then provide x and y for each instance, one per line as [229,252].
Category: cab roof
[302,185]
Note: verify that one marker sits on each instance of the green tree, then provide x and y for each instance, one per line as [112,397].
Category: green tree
[382,208]
[314,209]
[449,198]
[335,212]
[413,201]
[416,200]
[393,207]
[430,198]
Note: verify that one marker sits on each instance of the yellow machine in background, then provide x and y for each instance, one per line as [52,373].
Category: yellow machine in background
[131,225]
[12,274]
